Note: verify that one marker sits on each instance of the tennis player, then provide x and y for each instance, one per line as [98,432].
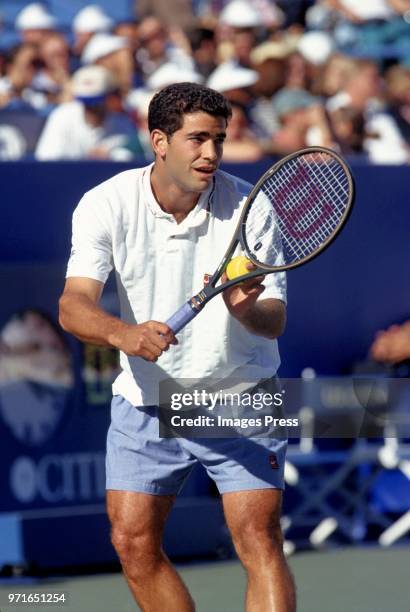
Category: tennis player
[161,227]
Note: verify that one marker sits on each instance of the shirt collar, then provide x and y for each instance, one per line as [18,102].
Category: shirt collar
[195,217]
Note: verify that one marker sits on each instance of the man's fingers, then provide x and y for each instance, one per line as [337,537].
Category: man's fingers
[164,334]
[252,286]
[149,340]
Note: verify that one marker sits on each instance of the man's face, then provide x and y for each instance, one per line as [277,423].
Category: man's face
[153,37]
[193,152]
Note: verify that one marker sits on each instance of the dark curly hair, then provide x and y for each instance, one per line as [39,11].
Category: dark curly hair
[168,107]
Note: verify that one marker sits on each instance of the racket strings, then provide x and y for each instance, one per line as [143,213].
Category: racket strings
[298,209]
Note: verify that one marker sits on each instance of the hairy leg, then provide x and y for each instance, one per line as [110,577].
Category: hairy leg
[253,520]
[137,521]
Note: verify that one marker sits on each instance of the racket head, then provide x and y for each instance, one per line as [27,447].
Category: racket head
[296,209]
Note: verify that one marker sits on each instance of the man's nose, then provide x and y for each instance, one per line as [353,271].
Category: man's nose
[209,150]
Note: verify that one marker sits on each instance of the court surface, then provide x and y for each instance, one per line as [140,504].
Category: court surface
[343,580]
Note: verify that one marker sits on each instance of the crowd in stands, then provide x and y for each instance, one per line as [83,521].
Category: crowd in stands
[327,72]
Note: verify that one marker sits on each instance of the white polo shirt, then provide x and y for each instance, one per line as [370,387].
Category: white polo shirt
[159,265]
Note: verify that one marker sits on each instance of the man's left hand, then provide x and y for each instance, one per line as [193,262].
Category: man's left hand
[241,298]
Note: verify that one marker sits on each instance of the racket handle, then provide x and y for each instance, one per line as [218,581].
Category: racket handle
[181,317]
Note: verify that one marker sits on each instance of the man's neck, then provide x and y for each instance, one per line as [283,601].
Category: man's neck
[94,117]
[357,100]
[171,198]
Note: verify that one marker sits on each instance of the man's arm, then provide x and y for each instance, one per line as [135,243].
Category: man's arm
[81,316]
[392,345]
[400,6]
[266,318]
[260,317]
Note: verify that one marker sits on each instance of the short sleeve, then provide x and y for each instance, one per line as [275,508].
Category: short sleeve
[275,286]
[91,251]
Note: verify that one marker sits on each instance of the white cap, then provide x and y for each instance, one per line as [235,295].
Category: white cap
[274,49]
[316,47]
[92,18]
[170,73]
[231,76]
[35,16]
[101,45]
[240,14]
[92,83]
[140,99]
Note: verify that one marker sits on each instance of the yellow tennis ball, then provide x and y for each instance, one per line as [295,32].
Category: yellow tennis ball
[237,267]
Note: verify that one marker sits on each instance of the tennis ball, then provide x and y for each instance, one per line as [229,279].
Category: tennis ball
[237,267]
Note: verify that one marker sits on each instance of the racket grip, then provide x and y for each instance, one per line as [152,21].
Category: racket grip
[181,317]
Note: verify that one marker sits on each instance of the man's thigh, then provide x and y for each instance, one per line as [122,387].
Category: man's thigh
[241,464]
[138,515]
[253,518]
[138,460]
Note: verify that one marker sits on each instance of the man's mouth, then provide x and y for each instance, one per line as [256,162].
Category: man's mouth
[206,170]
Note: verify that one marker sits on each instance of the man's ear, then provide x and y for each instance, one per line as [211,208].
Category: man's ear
[159,141]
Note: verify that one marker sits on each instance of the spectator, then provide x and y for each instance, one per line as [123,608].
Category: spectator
[251,14]
[171,13]
[334,75]
[240,144]
[85,128]
[315,48]
[169,73]
[111,52]
[299,113]
[54,75]
[129,30]
[21,65]
[269,62]
[398,98]
[349,130]
[361,12]
[34,23]
[234,81]
[88,21]
[392,346]
[156,48]
[362,90]
[204,50]
[139,100]
[297,72]
[240,21]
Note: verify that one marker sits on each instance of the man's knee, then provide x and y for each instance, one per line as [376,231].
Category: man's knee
[139,551]
[137,524]
[258,545]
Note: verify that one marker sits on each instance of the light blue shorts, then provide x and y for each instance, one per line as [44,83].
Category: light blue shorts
[139,460]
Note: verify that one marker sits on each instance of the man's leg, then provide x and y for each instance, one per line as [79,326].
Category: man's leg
[253,520]
[137,521]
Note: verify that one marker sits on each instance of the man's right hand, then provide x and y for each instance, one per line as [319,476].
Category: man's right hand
[81,316]
[147,340]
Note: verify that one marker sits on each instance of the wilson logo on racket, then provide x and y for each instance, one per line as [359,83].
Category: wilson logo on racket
[295,214]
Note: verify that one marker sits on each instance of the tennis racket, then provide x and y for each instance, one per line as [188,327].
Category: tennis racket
[294,212]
